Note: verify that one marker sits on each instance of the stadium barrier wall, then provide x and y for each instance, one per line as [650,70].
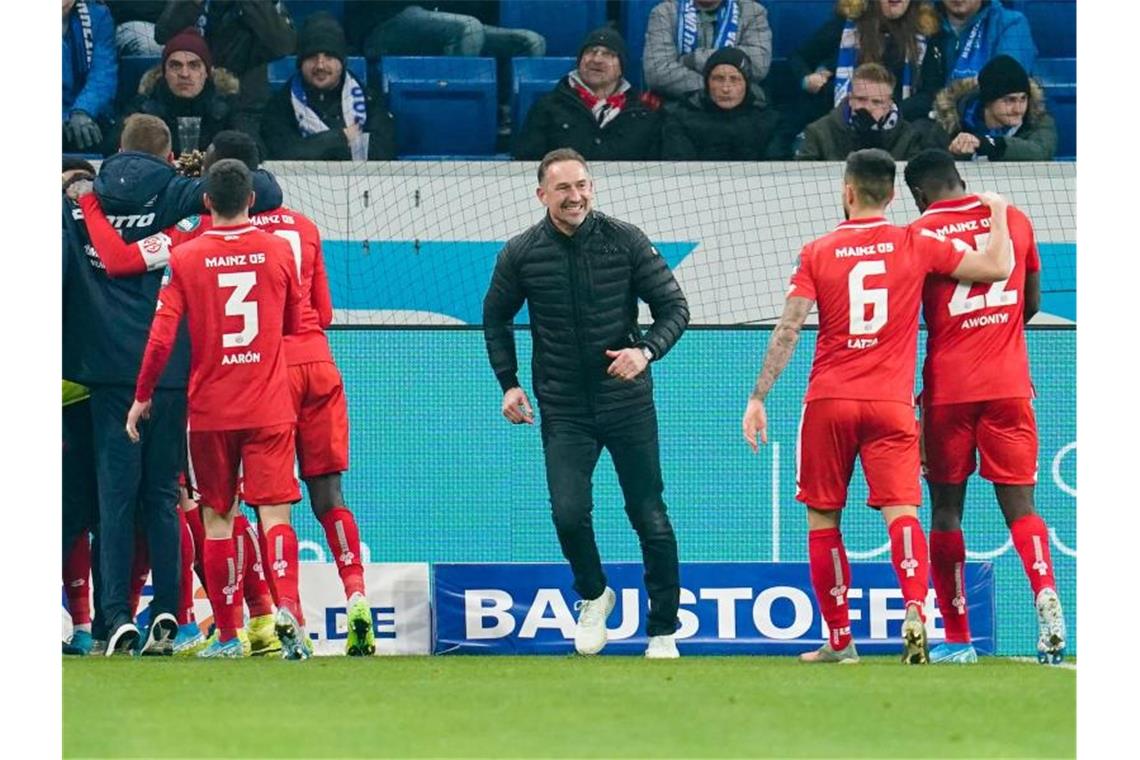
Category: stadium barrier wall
[726,608]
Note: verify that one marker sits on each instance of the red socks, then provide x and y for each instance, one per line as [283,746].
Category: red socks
[186,572]
[1031,539]
[344,541]
[219,559]
[254,588]
[911,561]
[140,570]
[76,583]
[830,577]
[948,568]
[282,555]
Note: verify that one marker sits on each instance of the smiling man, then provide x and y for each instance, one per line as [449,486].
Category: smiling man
[582,274]
[593,110]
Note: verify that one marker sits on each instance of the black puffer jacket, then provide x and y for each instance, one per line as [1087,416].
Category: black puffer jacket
[582,292]
[696,129]
[561,120]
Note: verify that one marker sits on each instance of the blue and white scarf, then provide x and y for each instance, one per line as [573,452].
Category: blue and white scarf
[974,122]
[889,122]
[82,38]
[974,54]
[353,106]
[688,27]
[849,56]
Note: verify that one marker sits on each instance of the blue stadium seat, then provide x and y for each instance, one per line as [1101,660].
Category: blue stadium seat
[793,21]
[531,78]
[442,105]
[634,22]
[1054,24]
[286,66]
[1054,71]
[564,23]
[1062,104]
[131,69]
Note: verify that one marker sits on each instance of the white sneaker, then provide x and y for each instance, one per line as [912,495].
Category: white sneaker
[662,648]
[590,636]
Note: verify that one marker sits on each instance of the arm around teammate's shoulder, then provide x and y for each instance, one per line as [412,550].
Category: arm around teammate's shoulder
[995,262]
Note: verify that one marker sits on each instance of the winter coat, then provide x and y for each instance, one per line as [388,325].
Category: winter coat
[1036,140]
[669,74]
[362,17]
[561,120]
[832,139]
[90,89]
[821,50]
[216,105]
[1007,30]
[582,293]
[136,10]
[696,129]
[244,36]
[284,140]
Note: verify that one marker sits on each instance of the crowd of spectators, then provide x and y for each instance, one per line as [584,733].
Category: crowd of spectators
[903,75]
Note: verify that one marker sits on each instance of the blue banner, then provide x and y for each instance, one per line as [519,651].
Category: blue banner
[762,608]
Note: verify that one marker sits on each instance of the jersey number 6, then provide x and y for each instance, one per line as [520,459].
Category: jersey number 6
[238,306]
[860,297]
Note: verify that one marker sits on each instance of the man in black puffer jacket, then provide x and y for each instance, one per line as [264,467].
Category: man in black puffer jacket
[593,110]
[582,273]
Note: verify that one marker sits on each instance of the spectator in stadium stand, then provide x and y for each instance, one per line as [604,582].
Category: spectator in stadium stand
[322,113]
[134,25]
[724,121]
[467,28]
[186,83]
[90,74]
[895,33]
[683,34]
[594,110]
[867,118]
[999,116]
[975,31]
[244,36]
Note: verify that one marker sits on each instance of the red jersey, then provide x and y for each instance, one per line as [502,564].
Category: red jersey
[975,344]
[309,344]
[866,277]
[237,287]
[123,259]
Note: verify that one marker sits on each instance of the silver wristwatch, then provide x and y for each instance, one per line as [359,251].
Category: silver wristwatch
[647,352]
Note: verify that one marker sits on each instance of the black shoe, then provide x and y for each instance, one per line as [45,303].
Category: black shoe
[124,637]
[160,636]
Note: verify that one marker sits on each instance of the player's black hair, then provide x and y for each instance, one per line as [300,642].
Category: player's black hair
[933,171]
[73,163]
[229,183]
[230,143]
[872,172]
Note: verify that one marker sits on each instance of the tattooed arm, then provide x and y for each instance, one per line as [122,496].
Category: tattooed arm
[780,348]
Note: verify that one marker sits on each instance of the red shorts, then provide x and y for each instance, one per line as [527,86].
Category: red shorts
[884,435]
[1003,431]
[322,418]
[260,459]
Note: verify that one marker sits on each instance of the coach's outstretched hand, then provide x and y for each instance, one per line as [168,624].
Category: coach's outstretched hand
[755,421]
[516,407]
[140,410]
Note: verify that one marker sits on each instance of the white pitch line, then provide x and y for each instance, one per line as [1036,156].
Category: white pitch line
[1062,665]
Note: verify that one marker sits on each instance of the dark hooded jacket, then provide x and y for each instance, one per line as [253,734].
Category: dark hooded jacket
[831,138]
[1035,140]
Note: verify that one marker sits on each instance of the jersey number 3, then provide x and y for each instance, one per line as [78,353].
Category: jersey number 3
[963,303]
[239,306]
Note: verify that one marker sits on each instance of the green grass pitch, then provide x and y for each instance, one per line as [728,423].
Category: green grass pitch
[564,707]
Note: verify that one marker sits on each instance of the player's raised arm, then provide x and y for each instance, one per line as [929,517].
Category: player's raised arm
[996,261]
[122,259]
[780,349]
[163,332]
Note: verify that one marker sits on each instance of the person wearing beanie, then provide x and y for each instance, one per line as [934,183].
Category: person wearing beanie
[723,122]
[681,35]
[188,84]
[323,113]
[593,109]
[997,116]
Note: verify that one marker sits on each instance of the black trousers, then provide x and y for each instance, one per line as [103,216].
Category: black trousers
[571,445]
[80,497]
[137,482]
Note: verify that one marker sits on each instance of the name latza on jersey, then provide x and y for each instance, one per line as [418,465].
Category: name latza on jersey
[234,260]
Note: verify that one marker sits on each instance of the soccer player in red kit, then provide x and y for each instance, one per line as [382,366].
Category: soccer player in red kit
[238,290]
[318,395]
[866,277]
[977,400]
